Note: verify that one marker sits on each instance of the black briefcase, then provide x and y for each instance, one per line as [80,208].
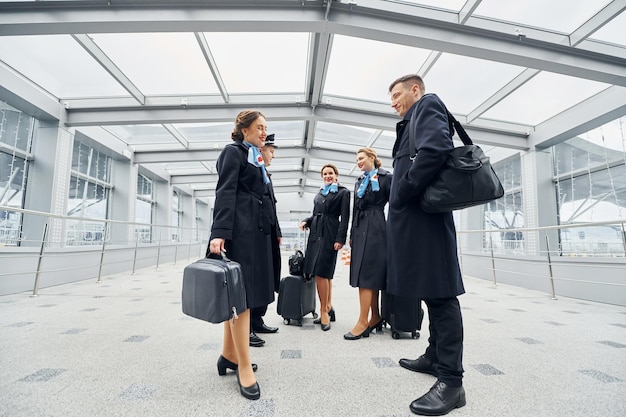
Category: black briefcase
[213,290]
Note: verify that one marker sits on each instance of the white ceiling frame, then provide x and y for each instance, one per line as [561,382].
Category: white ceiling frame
[105,62]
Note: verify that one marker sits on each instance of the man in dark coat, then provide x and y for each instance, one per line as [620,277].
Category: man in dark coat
[421,247]
[257,325]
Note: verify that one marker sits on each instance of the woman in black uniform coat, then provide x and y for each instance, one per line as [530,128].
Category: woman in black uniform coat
[368,266]
[329,228]
[241,230]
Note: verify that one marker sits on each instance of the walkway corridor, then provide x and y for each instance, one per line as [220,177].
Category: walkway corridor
[122,347]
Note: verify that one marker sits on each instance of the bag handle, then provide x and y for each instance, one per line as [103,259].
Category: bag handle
[454,126]
[222,256]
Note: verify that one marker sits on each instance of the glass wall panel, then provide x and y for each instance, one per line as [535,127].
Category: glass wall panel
[590,182]
[177,214]
[87,160]
[88,195]
[16,132]
[144,208]
[506,212]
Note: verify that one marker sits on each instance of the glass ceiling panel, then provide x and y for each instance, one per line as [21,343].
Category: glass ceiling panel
[341,137]
[184,168]
[160,63]
[315,166]
[212,135]
[610,135]
[285,164]
[384,143]
[543,97]
[59,65]
[463,83]
[142,134]
[455,5]
[613,31]
[557,15]
[352,72]
[270,62]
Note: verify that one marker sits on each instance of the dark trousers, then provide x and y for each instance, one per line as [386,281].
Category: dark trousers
[445,343]
[256,316]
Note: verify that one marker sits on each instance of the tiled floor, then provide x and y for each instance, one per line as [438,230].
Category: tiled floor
[123,348]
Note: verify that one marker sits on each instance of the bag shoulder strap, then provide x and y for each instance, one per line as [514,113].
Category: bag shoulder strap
[454,126]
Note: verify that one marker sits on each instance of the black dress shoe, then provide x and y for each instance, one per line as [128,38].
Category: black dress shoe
[421,364]
[364,333]
[440,400]
[253,392]
[264,329]
[256,341]
[325,327]
[223,364]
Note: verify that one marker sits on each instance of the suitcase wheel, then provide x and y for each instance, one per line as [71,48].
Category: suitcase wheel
[315,315]
[300,323]
[286,321]
[415,335]
[395,335]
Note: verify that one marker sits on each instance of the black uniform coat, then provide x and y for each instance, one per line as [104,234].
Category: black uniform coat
[368,264]
[421,247]
[328,224]
[275,233]
[238,217]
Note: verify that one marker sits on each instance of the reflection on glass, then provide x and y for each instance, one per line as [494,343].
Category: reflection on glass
[590,173]
[506,212]
[16,130]
[88,196]
[144,209]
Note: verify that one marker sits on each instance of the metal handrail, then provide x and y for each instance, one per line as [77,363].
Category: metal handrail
[619,262]
[100,246]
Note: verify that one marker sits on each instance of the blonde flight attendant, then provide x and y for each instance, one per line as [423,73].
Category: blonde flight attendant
[368,265]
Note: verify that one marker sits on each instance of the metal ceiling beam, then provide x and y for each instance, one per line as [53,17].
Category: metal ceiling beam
[604,16]
[591,113]
[19,92]
[105,62]
[210,60]
[177,135]
[288,189]
[478,43]
[423,27]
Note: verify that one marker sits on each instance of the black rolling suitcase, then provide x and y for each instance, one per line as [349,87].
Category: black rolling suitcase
[403,314]
[296,298]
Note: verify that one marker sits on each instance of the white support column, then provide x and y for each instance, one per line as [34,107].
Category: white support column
[529,200]
[539,200]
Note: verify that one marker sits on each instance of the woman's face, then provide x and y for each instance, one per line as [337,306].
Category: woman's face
[364,162]
[328,175]
[256,133]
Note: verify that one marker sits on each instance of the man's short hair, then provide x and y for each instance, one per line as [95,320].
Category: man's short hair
[408,80]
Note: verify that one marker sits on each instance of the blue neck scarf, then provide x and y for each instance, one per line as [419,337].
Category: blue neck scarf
[329,188]
[255,158]
[368,177]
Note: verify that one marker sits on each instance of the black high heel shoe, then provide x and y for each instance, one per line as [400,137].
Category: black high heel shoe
[253,392]
[223,364]
[331,313]
[364,333]
[378,326]
[325,327]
